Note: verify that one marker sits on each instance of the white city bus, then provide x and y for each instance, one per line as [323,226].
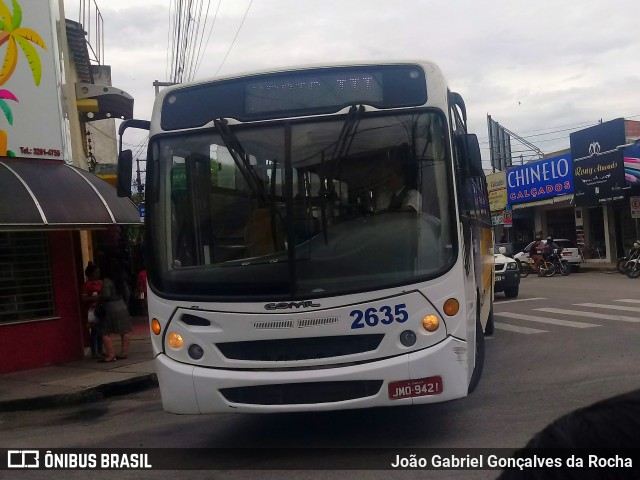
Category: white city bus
[318,239]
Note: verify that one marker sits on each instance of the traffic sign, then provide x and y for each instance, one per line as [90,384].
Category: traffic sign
[506,218]
[635,207]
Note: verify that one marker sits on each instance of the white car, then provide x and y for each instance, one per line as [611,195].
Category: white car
[570,252]
[507,273]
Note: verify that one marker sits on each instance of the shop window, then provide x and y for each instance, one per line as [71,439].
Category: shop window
[26,288]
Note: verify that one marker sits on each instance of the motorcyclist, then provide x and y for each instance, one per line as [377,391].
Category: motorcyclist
[549,248]
[533,253]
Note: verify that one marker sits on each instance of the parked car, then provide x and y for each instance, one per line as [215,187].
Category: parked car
[570,252]
[507,276]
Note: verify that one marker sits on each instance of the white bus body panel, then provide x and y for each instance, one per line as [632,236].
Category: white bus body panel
[195,390]
[193,387]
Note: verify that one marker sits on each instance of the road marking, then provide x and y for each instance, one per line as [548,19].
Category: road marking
[551,321]
[610,307]
[513,328]
[628,300]
[501,302]
[592,315]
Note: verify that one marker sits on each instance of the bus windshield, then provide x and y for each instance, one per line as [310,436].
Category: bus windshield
[306,208]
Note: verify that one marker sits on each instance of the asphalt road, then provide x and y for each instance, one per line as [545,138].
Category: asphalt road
[564,343]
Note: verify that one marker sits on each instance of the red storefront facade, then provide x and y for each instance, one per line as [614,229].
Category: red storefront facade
[36,343]
[47,196]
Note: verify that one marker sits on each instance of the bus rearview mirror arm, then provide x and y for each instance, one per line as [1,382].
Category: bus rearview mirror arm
[125,157]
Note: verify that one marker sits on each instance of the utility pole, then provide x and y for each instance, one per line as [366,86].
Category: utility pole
[139,182]
[158,84]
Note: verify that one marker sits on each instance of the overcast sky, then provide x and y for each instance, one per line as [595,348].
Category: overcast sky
[541,69]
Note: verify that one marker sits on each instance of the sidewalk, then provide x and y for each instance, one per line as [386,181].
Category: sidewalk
[82,381]
[598,267]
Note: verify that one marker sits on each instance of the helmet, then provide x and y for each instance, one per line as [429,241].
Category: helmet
[549,238]
[636,244]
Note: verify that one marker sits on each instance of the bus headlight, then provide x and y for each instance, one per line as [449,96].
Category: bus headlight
[175,340]
[430,323]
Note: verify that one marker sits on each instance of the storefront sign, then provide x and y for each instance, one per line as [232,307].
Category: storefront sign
[497,188]
[599,178]
[599,138]
[542,179]
[32,123]
[632,165]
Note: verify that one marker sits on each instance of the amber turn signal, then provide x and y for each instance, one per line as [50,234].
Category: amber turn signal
[451,307]
[430,323]
[155,326]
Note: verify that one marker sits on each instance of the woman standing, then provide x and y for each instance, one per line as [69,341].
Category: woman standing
[89,295]
[116,319]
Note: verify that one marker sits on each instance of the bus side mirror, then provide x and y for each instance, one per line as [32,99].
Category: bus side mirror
[125,167]
[474,160]
[469,160]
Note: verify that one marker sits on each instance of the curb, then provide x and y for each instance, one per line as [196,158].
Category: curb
[93,394]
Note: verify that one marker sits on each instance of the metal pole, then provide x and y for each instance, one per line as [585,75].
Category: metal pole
[138,180]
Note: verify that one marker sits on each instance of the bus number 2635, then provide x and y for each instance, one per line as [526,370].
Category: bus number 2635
[385,315]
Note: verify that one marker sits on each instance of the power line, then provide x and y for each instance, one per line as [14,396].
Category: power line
[234,39]
[208,38]
[195,54]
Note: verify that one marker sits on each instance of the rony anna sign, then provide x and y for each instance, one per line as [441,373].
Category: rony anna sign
[545,178]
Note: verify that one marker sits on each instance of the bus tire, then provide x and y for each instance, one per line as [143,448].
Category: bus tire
[490,327]
[479,363]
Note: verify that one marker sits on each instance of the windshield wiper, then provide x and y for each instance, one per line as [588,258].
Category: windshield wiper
[343,145]
[241,160]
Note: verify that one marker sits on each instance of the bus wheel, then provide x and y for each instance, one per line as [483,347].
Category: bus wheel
[490,327]
[479,363]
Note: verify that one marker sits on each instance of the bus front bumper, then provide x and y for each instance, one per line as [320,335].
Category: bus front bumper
[190,389]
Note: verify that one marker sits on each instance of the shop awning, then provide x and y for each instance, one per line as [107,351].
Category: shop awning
[547,201]
[51,195]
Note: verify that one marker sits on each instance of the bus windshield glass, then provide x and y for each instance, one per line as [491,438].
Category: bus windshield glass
[307,208]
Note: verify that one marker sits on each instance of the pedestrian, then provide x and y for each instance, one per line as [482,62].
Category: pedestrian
[90,297]
[116,319]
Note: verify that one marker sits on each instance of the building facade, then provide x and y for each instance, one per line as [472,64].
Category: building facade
[49,201]
[582,194]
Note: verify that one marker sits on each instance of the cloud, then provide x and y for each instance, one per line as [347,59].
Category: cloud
[532,65]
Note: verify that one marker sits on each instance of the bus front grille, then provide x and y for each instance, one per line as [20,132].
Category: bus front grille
[293,349]
[302,393]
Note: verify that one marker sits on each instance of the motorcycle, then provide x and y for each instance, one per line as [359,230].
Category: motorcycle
[629,262]
[555,263]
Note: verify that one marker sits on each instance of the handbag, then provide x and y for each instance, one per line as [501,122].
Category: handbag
[100,311]
[92,318]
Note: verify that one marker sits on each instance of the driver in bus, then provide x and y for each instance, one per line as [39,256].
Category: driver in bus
[397,194]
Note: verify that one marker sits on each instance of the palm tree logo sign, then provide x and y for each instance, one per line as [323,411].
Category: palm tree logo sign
[13,35]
